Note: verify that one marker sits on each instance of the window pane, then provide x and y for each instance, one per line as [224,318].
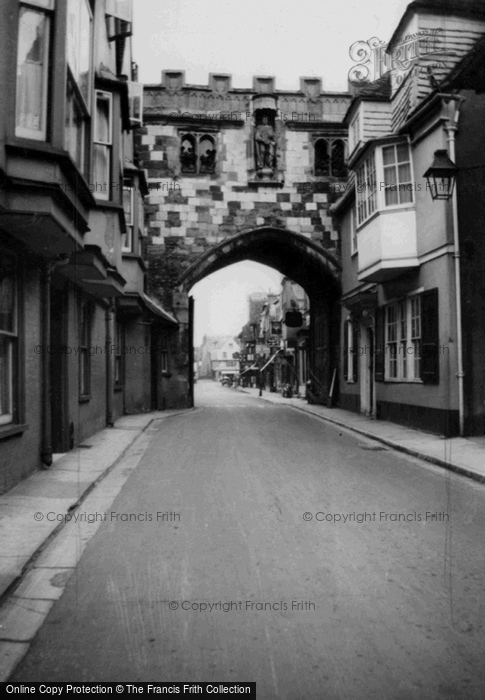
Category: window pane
[79,45]
[207,154]
[405,193]
[7,297]
[101,170]
[404,173]
[128,202]
[390,176]
[127,240]
[388,155]
[339,168]
[32,67]
[103,119]
[322,160]
[402,153]
[74,130]
[391,196]
[188,155]
[5,380]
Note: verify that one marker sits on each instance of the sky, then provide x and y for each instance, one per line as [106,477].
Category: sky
[257,37]
[285,39]
[220,299]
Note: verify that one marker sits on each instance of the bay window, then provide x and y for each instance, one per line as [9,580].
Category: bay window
[383,180]
[78,95]
[397,174]
[127,238]
[103,144]
[33,65]
[366,189]
[8,338]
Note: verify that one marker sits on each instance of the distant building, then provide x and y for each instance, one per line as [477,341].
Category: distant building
[216,357]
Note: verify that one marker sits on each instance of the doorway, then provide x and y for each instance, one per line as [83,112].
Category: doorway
[61,441]
[367,389]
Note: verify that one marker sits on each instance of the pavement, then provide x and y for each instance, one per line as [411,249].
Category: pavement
[464,456]
[30,512]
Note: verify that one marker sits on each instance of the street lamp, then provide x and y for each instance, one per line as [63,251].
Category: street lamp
[441,176]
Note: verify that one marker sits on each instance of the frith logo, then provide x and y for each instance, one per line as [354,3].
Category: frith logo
[374,60]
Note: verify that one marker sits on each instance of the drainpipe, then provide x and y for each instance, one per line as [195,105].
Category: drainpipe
[109,315]
[451,127]
[49,268]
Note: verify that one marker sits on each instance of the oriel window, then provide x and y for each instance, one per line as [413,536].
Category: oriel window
[103,143]
[78,91]
[33,66]
[127,239]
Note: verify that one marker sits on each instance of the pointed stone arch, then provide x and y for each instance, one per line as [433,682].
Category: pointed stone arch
[295,256]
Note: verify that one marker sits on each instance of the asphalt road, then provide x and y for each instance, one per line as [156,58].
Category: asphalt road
[321,608]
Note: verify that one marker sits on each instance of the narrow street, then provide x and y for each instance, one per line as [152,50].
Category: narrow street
[386,608]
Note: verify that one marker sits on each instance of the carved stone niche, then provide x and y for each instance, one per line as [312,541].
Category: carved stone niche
[265,137]
[220,83]
[311,87]
[263,84]
[173,80]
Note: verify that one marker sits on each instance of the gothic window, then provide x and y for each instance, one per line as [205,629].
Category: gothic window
[207,154]
[197,153]
[188,154]
[330,158]
[338,165]
[322,160]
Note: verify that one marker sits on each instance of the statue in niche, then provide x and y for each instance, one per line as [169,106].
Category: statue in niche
[265,142]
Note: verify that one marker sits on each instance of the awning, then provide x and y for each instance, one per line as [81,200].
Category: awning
[271,359]
[156,309]
[248,369]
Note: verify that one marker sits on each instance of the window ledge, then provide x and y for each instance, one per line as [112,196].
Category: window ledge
[85,399]
[403,381]
[9,430]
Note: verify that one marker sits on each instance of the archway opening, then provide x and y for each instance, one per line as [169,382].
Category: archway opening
[303,264]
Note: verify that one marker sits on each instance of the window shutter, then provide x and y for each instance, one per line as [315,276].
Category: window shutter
[430,337]
[380,354]
[355,350]
[346,350]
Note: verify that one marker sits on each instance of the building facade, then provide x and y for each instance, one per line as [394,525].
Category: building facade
[80,341]
[412,326]
[245,173]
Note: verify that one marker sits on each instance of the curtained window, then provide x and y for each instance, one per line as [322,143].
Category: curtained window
[33,70]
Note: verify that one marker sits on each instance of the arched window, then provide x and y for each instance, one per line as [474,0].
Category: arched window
[207,154]
[338,165]
[322,159]
[197,153]
[188,154]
